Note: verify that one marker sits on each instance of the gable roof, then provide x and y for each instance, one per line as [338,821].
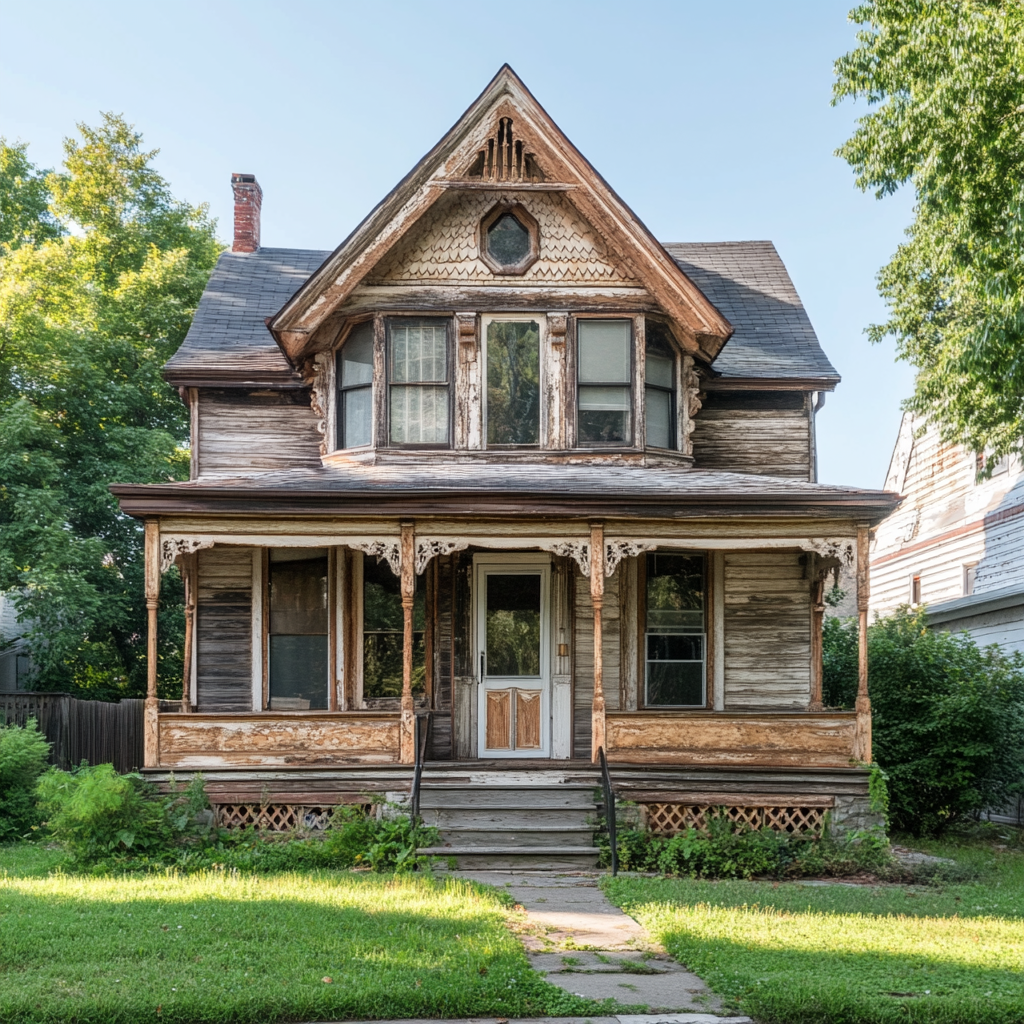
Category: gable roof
[704,329]
[773,339]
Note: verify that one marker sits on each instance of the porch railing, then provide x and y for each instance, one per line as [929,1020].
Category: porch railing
[421,730]
[609,809]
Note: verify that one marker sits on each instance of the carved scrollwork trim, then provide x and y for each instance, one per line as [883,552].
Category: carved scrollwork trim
[389,551]
[842,550]
[172,548]
[616,550]
[320,397]
[691,400]
[577,550]
[432,547]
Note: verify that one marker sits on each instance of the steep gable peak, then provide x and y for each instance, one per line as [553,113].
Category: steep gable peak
[504,142]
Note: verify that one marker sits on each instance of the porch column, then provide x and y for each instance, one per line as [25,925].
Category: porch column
[188,578]
[597,599]
[408,753]
[151,754]
[862,741]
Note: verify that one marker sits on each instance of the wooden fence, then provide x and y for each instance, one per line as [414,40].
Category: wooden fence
[81,730]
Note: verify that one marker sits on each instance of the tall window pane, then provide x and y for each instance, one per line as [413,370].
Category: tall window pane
[513,383]
[355,388]
[605,406]
[418,382]
[659,390]
[298,629]
[384,630]
[675,638]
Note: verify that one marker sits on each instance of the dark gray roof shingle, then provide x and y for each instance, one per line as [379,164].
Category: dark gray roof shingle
[750,286]
[747,282]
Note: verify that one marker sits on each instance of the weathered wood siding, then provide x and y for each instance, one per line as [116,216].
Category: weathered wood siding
[441,726]
[764,432]
[806,740]
[224,629]
[583,663]
[242,431]
[212,741]
[767,630]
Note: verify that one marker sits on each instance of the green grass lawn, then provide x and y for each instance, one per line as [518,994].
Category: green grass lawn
[216,947]
[785,952]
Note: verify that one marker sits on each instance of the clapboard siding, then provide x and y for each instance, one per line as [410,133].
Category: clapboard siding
[224,629]
[583,681]
[767,631]
[768,433]
[242,431]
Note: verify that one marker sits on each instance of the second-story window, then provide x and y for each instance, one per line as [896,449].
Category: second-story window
[513,383]
[604,375]
[355,388]
[418,382]
[659,389]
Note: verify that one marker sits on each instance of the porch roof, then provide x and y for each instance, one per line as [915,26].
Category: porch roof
[430,487]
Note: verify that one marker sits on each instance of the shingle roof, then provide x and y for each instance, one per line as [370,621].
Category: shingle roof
[746,281]
[228,336]
[751,287]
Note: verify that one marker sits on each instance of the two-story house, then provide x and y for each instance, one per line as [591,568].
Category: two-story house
[505,463]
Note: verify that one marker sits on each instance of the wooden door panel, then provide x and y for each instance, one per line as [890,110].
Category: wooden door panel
[528,732]
[499,719]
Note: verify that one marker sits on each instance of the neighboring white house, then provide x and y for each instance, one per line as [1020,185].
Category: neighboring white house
[15,664]
[956,544]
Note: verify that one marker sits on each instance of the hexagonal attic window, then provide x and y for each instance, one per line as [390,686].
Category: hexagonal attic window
[510,240]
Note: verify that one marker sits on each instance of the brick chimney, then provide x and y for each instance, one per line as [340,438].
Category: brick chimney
[248,201]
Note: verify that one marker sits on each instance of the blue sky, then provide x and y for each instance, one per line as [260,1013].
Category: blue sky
[712,120]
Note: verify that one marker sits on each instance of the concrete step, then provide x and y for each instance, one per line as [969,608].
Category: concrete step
[498,858]
[514,839]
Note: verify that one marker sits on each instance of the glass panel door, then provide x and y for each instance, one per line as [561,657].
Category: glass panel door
[513,655]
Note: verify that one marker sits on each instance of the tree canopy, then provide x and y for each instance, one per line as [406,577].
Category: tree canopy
[946,84]
[101,269]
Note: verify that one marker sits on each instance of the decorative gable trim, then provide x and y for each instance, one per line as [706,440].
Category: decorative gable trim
[506,114]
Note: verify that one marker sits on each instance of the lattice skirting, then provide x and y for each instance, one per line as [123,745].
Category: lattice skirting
[668,819]
[274,817]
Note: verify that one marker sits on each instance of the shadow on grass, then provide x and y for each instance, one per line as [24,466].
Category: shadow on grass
[70,957]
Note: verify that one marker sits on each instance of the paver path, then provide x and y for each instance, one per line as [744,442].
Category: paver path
[584,944]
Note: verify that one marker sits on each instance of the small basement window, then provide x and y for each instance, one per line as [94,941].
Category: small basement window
[659,388]
[915,590]
[384,632]
[298,629]
[355,388]
[604,376]
[675,637]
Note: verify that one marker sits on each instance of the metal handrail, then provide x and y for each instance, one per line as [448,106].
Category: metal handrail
[609,809]
[420,743]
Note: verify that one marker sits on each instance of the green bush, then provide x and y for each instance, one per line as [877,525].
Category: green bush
[23,755]
[948,717]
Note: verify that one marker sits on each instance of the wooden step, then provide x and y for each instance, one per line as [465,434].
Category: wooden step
[514,840]
[540,797]
[507,817]
[498,858]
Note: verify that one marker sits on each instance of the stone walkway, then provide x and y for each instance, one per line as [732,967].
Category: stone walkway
[585,945]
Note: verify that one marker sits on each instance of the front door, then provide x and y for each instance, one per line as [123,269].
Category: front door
[513,655]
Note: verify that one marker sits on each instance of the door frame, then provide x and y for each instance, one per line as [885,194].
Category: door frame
[522,562]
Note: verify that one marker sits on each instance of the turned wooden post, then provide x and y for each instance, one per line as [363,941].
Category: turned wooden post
[863,734]
[408,753]
[597,599]
[188,579]
[152,576]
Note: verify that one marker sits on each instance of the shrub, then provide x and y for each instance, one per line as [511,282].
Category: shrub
[948,717]
[23,755]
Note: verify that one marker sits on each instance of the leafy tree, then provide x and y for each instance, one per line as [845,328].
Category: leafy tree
[947,716]
[24,199]
[93,300]
[946,81]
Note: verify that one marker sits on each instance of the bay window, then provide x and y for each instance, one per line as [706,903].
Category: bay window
[659,388]
[355,388]
[418,382]
[604,382]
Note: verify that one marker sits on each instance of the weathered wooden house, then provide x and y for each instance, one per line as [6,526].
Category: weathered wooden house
[505,466]
[956,544]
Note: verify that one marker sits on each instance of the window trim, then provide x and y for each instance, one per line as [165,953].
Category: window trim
[385,441]
[527,220]
[632,385]
[641,626]
[540,319]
